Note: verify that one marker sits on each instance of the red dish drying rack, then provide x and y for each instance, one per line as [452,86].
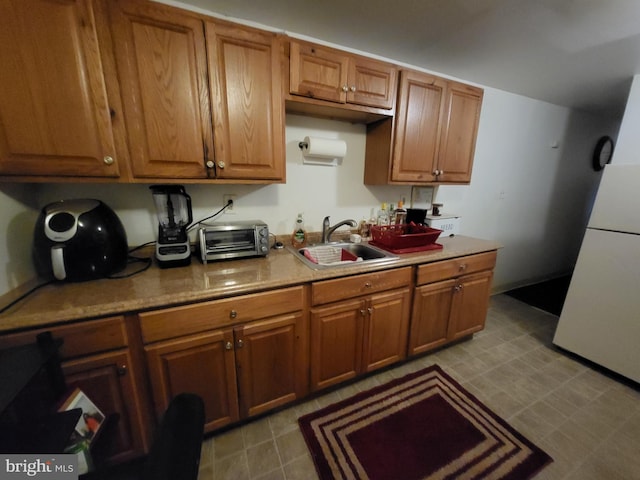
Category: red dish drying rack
[405,238]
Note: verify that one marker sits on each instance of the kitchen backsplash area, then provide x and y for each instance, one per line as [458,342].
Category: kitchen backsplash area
[517,194]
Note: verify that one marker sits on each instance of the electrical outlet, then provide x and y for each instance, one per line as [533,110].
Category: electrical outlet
[225,199]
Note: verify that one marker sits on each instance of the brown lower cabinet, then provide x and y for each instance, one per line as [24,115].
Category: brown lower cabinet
[354,331]
[246,355]
[450,300]
[99,357]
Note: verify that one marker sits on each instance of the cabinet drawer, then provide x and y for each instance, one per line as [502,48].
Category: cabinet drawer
[433,272]
[349,287]
[188,319]
[79,339]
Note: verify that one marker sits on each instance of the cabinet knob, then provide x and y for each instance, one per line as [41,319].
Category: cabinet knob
[458,287]
[233,314]
[368,285]
[228,346]
[435,172]
[345,88]
[462,267]
[240,343]
[221,164]
[363,312]
[122,370]
[370,310]
[108,160]
[353,88]
[210,164]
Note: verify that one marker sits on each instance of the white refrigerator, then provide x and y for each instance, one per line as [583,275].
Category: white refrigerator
[600,320]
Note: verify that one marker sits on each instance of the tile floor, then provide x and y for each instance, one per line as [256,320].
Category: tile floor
[588,422]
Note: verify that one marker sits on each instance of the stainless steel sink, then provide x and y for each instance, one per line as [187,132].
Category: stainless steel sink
[365,254]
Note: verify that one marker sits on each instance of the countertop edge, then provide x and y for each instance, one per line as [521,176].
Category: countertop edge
[194,285]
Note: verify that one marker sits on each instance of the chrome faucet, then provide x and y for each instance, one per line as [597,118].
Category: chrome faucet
[327,230]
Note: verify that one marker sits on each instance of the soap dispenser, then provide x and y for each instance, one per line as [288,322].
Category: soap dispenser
[299,236]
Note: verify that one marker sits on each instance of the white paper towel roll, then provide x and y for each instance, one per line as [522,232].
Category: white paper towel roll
[327,148]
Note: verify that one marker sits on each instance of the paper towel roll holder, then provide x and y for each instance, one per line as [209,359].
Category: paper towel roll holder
[302,145]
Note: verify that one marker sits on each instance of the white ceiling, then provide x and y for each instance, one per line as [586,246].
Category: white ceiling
[578,53]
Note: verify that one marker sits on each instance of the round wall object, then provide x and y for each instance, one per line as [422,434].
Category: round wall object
[602,153]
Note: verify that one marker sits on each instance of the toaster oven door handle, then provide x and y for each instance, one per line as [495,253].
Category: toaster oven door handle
[57,262]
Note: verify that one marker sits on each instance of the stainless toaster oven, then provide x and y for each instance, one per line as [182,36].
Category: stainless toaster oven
[233,240]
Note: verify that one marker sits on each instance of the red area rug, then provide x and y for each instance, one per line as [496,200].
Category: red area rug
[421,426]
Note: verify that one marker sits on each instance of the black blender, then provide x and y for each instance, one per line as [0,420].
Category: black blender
[173,206]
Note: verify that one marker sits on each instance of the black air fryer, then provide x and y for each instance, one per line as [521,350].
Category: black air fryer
[78,240]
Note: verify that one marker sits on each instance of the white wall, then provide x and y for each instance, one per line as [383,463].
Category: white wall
[18,212]
[627,149]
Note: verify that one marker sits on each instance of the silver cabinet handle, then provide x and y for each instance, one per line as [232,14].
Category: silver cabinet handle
[221,164]
[228,346]
[240,343]
[210,164]
[353,88]
[345,88]
[108,160]
[233,314]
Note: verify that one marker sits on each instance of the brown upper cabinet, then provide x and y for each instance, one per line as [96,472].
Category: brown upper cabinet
[325,74]
[162,69]
[432,138]
[57,114]
[173,68]
[247,102]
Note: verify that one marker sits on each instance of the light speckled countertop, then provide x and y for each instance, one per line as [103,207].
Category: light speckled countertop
[157,288]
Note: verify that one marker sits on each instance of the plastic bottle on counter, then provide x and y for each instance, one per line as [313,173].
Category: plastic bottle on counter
[401,213]
[299,235]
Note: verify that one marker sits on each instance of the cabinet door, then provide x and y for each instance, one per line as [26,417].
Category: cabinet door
[386,329]
[247,102]
[372,83]
[470,304]
[430,316]
[336,343]
[107,379]
[318,72]
[460,130]
[54,111]
[162,68]
[418,126]
[270,361]
[202,364]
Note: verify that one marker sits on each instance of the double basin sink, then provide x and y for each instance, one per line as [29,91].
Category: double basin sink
[339,255]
